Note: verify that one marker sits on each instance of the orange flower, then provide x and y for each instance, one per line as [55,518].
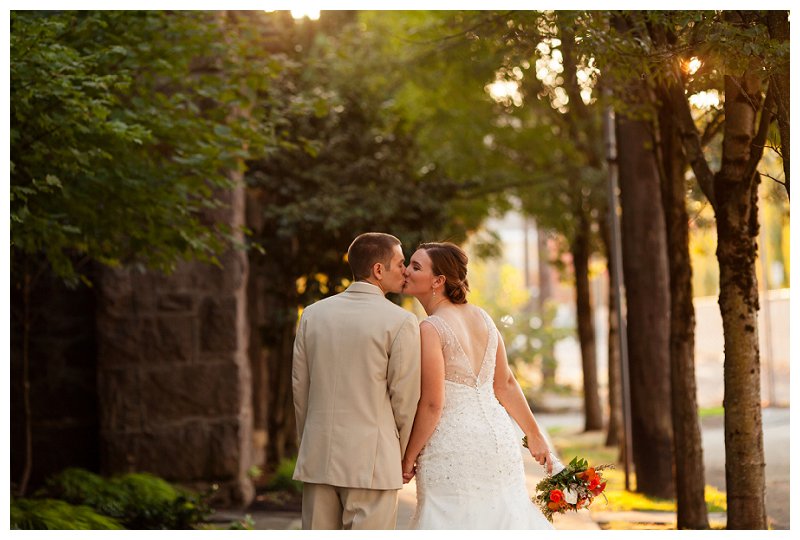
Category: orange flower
[599,489]
[553,506]
[556,495]
[594,482]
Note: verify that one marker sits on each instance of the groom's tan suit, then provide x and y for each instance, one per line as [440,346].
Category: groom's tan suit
[356,383]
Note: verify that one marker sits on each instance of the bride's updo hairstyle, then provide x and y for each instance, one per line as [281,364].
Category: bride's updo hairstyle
[449,261]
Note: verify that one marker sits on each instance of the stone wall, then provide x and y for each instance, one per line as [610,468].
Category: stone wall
[174,375]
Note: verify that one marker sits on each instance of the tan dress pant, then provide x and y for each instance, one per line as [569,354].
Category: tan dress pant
[333,507]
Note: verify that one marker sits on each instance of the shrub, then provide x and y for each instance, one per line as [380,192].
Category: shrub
[137,500]
[282,480]
[53,514]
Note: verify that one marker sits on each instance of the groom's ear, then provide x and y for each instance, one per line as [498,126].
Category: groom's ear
[377,270]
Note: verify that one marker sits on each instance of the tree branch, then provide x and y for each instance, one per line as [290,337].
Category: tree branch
[757,145]
[691,140]
[712,128]
[781,182]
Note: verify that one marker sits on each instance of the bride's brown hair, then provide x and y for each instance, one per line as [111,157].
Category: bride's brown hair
[449,261]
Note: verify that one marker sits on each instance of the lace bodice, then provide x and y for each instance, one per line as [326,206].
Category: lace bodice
[457,367]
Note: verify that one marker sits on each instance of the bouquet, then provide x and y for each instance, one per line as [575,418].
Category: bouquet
[572,488]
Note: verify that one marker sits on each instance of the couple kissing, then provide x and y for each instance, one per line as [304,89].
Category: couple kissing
[381,398]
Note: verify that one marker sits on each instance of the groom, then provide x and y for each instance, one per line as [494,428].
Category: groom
[356,383]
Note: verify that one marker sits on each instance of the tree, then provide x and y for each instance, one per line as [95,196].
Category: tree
[689,470]
[647,294]
[514,144]
[128,112]
[777,22]
[348,166]
[124,126]
[744,64]
[733,193]
[615,431]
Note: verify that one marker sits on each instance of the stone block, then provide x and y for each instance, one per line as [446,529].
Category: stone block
[192,451]
[116,291]
[189,391]
[168,339]
[176,302]
[118,340]
[120,453]
[227,278]
[219,323]
[119,400]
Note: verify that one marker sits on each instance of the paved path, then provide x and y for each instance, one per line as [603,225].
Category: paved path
[580,520]
[776,455]
[776,446]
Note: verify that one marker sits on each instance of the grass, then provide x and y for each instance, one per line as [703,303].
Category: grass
[629,526]
[590,446]
[706,412]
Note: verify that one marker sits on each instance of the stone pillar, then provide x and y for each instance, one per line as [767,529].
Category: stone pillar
[173,372]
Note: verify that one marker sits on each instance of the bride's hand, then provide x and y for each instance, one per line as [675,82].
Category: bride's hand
[409,470]
[540,452]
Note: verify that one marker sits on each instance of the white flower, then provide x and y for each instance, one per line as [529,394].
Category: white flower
[571,496]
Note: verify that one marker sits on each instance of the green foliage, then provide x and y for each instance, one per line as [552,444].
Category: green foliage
[282,480]
[530,334]
[245,524]
[524,147]
[51,514]
[136,500]
[124,127]
[349,164]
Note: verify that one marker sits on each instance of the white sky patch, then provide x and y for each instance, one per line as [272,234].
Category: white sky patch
[705,100]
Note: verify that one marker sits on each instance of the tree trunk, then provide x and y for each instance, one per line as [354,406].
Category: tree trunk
[615,431]
[778,25]
[273,302]
[281,427]
[26,382]
[548,367]
[580,257]
[647,297]
[736,191]
[689,468]
[256,284]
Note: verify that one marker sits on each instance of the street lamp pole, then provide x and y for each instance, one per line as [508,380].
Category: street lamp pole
[616,282]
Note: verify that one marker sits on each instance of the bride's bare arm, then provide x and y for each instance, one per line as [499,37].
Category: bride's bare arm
[431,399]
[510,396]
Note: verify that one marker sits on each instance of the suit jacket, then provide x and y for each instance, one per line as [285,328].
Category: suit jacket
[356,384]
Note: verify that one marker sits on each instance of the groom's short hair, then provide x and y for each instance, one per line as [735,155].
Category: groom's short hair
[368,249]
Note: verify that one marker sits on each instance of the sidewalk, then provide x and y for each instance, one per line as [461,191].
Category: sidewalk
[581,520]
[776,435]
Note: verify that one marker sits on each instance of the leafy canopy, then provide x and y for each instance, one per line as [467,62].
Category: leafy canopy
[124,129]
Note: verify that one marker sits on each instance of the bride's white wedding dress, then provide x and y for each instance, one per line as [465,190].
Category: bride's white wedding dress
[470,474]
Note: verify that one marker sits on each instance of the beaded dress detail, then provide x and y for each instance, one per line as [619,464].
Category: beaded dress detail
[470,474]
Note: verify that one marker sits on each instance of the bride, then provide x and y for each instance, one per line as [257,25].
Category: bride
[463,448]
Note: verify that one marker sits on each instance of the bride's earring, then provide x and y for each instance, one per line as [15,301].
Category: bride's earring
[434,293]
